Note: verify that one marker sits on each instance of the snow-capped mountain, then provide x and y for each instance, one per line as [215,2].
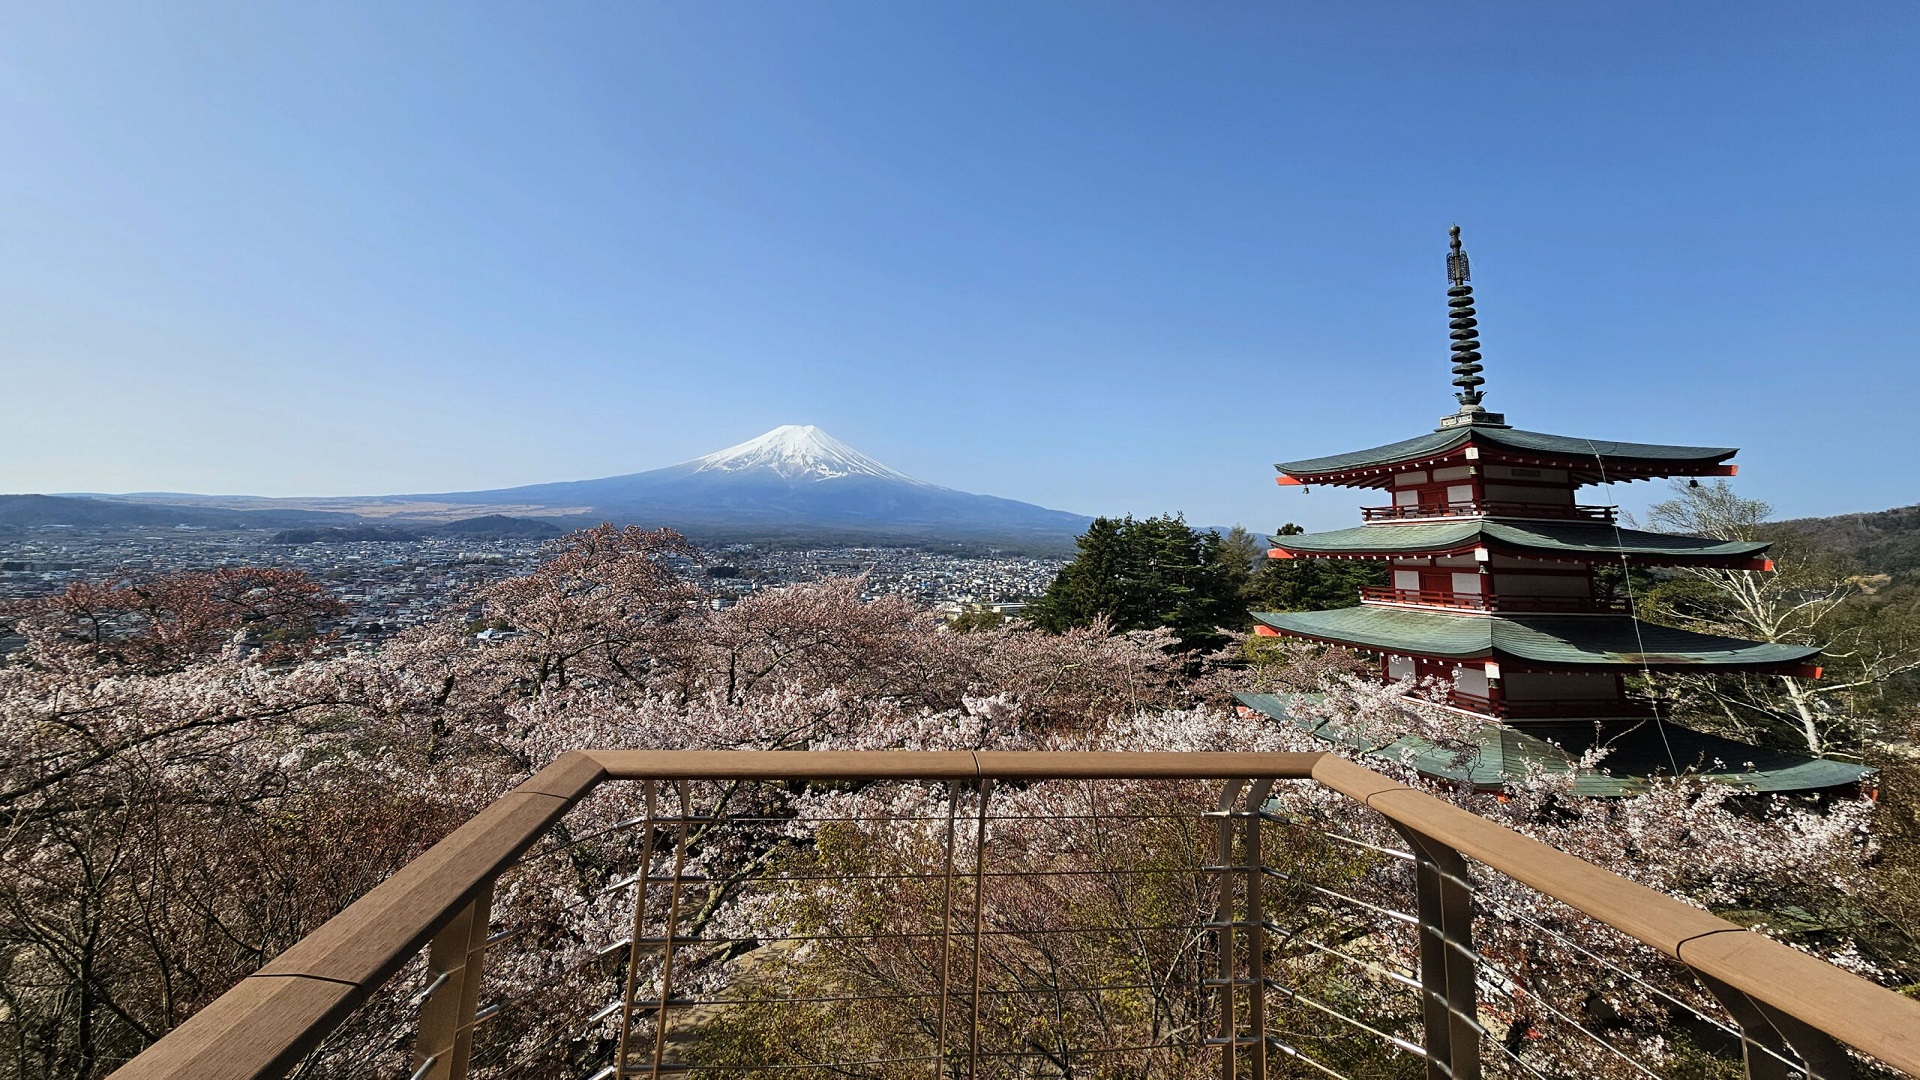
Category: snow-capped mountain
[798,452]
[792,481]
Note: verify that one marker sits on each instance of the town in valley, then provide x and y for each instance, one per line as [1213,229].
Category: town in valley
[389,585]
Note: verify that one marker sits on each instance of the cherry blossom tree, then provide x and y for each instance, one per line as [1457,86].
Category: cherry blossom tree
[1812,598]
[185,763]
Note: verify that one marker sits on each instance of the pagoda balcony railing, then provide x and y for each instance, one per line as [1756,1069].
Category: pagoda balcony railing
[1553,511]
[397,983]
[1550,708]
[1576,708]
[1516,605]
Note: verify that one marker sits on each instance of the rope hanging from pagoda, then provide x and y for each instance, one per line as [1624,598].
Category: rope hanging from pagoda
[1461,323]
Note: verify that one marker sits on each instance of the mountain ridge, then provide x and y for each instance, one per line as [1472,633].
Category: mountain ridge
[794,478]
[795,485]
[1880,541]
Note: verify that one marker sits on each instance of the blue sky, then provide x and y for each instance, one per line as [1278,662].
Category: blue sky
[1104,257]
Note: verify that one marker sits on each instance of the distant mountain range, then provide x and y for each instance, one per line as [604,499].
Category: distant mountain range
[83,511]
[308,526]
[794,484]
[487,527]
[794,479]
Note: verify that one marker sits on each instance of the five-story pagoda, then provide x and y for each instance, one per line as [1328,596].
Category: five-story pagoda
[1493,585]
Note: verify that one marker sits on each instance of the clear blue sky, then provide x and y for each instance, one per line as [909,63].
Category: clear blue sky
[1104,257]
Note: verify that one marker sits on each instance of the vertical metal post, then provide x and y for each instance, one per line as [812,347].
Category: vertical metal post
[1449,1001]
[979,917]
[1226,971]
[454,964]
[1768,1035]
[671,932]
[650,791]
[1256,926]
[946,935]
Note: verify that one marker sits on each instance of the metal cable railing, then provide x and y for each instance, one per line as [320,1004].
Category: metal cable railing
[1490,905]
[1504,983]
[983,910]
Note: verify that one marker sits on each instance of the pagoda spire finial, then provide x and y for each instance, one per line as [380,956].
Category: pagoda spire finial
[1466,340]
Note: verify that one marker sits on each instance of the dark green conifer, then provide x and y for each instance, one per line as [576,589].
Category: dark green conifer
[1145,574]
[1310,584]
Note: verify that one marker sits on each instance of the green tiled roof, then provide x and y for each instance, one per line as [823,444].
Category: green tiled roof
[1552,641]
[1437,442]
[1637,754]
[1417,447]
[1570,538]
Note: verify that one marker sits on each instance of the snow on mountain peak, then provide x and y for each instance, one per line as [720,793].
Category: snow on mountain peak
[798,452]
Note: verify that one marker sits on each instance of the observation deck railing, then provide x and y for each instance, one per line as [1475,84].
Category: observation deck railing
[1516,605]
[936,955]
[1467,509]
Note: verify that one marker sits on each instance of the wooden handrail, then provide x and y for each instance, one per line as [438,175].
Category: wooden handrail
[854,765]
[262,1027]
[276,1016]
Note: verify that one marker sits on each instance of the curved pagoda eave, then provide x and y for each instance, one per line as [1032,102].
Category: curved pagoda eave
[1637,758]
[1589,460]
[1569,541]
[1539,642]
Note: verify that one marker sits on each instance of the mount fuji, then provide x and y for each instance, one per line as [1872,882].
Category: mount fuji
[795,481]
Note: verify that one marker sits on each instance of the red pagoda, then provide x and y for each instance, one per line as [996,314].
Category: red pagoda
[1492,558]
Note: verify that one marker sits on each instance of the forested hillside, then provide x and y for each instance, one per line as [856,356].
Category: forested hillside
[1881,542]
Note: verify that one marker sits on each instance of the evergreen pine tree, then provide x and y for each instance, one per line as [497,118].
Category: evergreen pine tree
[1141,575]
[1310,584]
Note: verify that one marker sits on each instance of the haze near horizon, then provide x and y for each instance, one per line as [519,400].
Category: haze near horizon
[1100,259]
